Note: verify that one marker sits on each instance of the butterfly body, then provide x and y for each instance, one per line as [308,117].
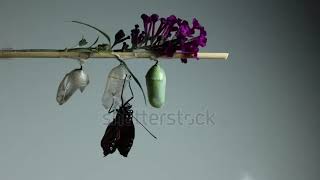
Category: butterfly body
[119,133]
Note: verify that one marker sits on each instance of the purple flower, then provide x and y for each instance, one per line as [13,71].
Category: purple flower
[202,31]
[146,21]
[172,19]
[195,24]
[202,40]
[154,17]
[185,30]
[169,49]
[144,17]
[190,48]
[165,36]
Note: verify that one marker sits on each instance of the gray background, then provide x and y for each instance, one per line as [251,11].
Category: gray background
[265,97]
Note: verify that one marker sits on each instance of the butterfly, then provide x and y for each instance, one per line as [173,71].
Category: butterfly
[120,132]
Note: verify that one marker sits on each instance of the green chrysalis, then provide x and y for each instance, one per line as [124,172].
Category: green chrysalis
[156,86]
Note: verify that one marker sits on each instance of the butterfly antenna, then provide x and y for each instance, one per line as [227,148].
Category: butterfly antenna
[145,128]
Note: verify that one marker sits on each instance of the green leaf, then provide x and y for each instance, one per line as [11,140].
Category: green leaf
[95,42]
[103,33]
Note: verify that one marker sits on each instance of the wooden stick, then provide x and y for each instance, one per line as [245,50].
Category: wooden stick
[51,53]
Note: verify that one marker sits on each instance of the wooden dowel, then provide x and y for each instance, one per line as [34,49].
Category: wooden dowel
[49,53]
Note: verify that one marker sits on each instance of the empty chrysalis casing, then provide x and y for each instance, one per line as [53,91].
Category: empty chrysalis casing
[116,80]
[156,86]
[74,80]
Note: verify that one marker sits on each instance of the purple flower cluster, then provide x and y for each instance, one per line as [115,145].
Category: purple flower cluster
[166,36]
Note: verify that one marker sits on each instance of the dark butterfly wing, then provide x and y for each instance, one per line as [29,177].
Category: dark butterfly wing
[110,138]
[125,142]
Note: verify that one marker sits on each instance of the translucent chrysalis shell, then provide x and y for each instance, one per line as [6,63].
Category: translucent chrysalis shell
[156,86]
[74,80]
[112,94]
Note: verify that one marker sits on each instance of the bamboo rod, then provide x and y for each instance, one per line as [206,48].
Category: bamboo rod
[51,53]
